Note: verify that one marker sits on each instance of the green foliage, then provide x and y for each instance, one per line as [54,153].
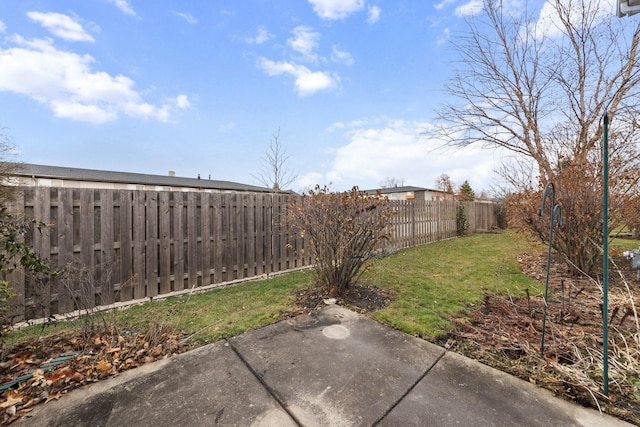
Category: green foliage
[466,193]
[462,222]
[343,230]
[501,215]
[14,253]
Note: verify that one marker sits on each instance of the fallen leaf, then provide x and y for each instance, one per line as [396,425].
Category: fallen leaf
[13,397]
[157,351]
[38,374]
[103,366]
[11,410]
[53,397]
[77,376]
[59,374]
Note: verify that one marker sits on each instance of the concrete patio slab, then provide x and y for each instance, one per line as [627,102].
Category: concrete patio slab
[461,391]
[204,387]
[336,367]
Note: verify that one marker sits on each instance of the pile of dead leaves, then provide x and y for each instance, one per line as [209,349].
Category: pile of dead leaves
[45,370]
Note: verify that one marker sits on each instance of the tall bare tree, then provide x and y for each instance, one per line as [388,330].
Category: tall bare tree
[538,83]
[444,183]
[274,172]
[392,182]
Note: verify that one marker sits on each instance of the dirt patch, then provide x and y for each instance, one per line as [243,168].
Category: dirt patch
[361,299]
[506,332]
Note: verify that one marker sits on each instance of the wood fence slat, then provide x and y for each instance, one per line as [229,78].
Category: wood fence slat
[151,248]
[228,252]
[260,234]
[108,253]
[192,254]
[178,241]
[249,202]
[241,237]
[126,246]
[139,231]
[42,241]
[205,251]
[217,241]
[268,234]
[86,228]
[65,246]
[164,261]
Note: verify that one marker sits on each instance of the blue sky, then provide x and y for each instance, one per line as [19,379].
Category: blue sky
[201,87]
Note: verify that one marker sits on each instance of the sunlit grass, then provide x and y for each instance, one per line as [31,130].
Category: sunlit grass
[203,317]
[439,280]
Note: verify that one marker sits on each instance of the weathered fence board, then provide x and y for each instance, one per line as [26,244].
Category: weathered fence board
[137,244]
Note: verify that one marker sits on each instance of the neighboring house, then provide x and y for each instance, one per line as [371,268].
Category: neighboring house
[57,176]
[413,193]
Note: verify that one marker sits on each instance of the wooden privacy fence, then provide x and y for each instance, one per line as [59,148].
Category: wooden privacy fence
[123,245]
[418,222]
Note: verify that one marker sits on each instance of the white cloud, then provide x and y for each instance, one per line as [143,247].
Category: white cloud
[336,9]
[309,180]
[3,27]
[341,56]
[304,41]
[442,4]
[399,149]
[260,38]
[307,82]
[124,6]
[549,25]
[66,83]
[444,37]
[187,17]
[182,102]
[61,25]
[470,8]
[374,14]
[82,112]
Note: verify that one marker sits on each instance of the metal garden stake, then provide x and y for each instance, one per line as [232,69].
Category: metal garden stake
[605,255]
[556,218]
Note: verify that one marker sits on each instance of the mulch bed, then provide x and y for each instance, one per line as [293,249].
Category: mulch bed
[506,333]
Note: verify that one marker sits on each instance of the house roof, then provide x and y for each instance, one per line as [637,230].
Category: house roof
[403,189]
[93,175]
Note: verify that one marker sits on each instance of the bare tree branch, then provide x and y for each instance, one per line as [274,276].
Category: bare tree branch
[519,81]
[274,173]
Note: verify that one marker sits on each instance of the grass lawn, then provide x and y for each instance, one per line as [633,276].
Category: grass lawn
[428,283]
[435,281]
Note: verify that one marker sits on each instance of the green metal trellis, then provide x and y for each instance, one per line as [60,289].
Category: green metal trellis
[556,218]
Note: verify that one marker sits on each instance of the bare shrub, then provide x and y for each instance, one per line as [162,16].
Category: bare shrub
[344,230]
